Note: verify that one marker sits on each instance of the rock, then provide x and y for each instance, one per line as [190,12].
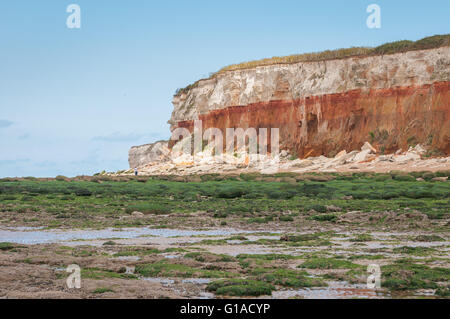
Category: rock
[333,209]
[420,179]
[303,163]
[194,178]
[348,158]
[137,214]
[399,152]
[362,156]
[341,154]
[440,179]
[407,157]
[182,148]
[369,147]
[269,171]
[183,160]
[284,153]
[386,158]
[142,155]
[129,270]
[321,159]
[418,149]
[350,217]
[328,170]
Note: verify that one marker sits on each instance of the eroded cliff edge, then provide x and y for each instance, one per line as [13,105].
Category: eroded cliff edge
[324,107]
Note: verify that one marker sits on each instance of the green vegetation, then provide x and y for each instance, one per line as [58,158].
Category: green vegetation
[443,292]
[240,287]
[286,219]
[362,238]
[266,256]
[300,238]
[325,218]
[252,198]
[429,238]
[6,246]
[416,251]
[328,263]
[287,278]
[166,269]
[102,290]
[149,208]
[201,257]
[388,48]
[137,252]
[404,275]
[95,273]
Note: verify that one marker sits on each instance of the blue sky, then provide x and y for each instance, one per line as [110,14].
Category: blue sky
[73,101]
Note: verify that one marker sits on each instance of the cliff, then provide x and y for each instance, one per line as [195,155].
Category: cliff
[144,154]
[323,107]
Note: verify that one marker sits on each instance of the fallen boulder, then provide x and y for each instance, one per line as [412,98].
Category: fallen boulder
[369,147]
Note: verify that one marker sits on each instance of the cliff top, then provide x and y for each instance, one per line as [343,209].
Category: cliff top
[432,42]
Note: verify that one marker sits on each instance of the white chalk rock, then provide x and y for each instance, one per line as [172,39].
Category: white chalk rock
[362,156]
[367,146]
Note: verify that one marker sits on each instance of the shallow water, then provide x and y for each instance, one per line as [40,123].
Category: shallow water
[162,281]
[172,256]
[198,281]
[130,258]
[36,236]
[335,290]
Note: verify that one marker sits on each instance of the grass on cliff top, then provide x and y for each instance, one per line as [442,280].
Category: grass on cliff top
[388,48]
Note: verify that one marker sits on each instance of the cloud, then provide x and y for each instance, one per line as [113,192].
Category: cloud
[5,123]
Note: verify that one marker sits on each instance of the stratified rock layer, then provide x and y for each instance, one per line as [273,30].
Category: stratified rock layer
[144,154]
[324,107]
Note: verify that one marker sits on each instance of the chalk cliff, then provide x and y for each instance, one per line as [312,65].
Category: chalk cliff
[324,107]
[144,154]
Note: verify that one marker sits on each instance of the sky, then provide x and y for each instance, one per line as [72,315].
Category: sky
[73,101]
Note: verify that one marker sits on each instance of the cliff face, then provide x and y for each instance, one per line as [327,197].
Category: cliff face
[324,107]
[144,154]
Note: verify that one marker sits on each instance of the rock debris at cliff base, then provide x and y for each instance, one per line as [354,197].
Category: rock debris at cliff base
[365,159]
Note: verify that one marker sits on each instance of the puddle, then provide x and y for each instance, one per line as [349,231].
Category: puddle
[170,282]
[205,295]
[33,236]
[197,281]
[25,228]
[425,292]
[238,250]
[335,290]
[172,256]
[129,258]
[188,287]
[162,281]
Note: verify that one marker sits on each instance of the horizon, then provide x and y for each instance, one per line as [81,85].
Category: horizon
[76,100]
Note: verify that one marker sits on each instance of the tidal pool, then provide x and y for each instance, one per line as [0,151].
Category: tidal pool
[39,236]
